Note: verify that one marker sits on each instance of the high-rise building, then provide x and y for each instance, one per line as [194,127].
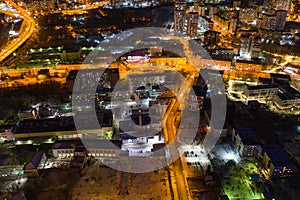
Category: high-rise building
[245,45]
[199,7]
[283,4]
[197,3]
[179,20]
[180,5]
[233,24]
[247,14]
[281,16]
[256,47]
[250,45]
[179,15]
[268,21]
[269,6]
[236,3]
[211,38]
[213,10]
[192,24]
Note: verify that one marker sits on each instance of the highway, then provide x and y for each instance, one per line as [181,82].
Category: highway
[27,29]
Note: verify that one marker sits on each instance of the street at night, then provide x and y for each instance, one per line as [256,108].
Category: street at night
[150,100]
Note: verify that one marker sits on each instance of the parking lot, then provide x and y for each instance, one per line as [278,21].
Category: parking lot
[195,160]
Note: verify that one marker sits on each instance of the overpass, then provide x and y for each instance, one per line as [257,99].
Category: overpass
[26,30]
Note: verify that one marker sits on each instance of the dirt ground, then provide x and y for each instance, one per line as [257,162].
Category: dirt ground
[101,183]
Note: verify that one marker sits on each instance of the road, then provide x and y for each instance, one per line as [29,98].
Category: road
[178,179]
[26,30]
[179,183]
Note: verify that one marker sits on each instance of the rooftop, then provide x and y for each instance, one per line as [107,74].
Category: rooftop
[102,144]
[283,96]
[252,61]
[277,155]
[247,136]
[34,163]
[68,144]
[61,124]
[289,91]
[280,76]
[260,87]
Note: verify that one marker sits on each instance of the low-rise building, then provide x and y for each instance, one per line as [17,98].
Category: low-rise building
[140,146]
[285,101]
[63,126]
[36,163]
[29,113]
[246,142]
[101,149]
[5,133]
[276,161]
[221,21]
[288,97]
[260,92]
[196,98]
[254,65]
[65,148]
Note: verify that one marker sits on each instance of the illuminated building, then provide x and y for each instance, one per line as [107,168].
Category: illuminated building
[269,5]
[246,142]
[254,65]
[37,162]
[233,24]
[156,51]
[256,47]
[276,161]
[204,24]
[236,3]
[281,19]
[199,7]
[275,14]
[260,92]
[250,44]
[192,24]
[213,10]
[5,133]
[211,38]
[196,100]
[62,126]
[180,5]
[247,14]
[179,16]
[221,21]
[222,54]
[268,22]
[108,78]
[283,4]
[288,97]
[101,149]
[287,101]
[64,148]
[139,146]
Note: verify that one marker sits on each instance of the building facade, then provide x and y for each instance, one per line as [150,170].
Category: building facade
[246,142]
[192,24]
[276,162]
